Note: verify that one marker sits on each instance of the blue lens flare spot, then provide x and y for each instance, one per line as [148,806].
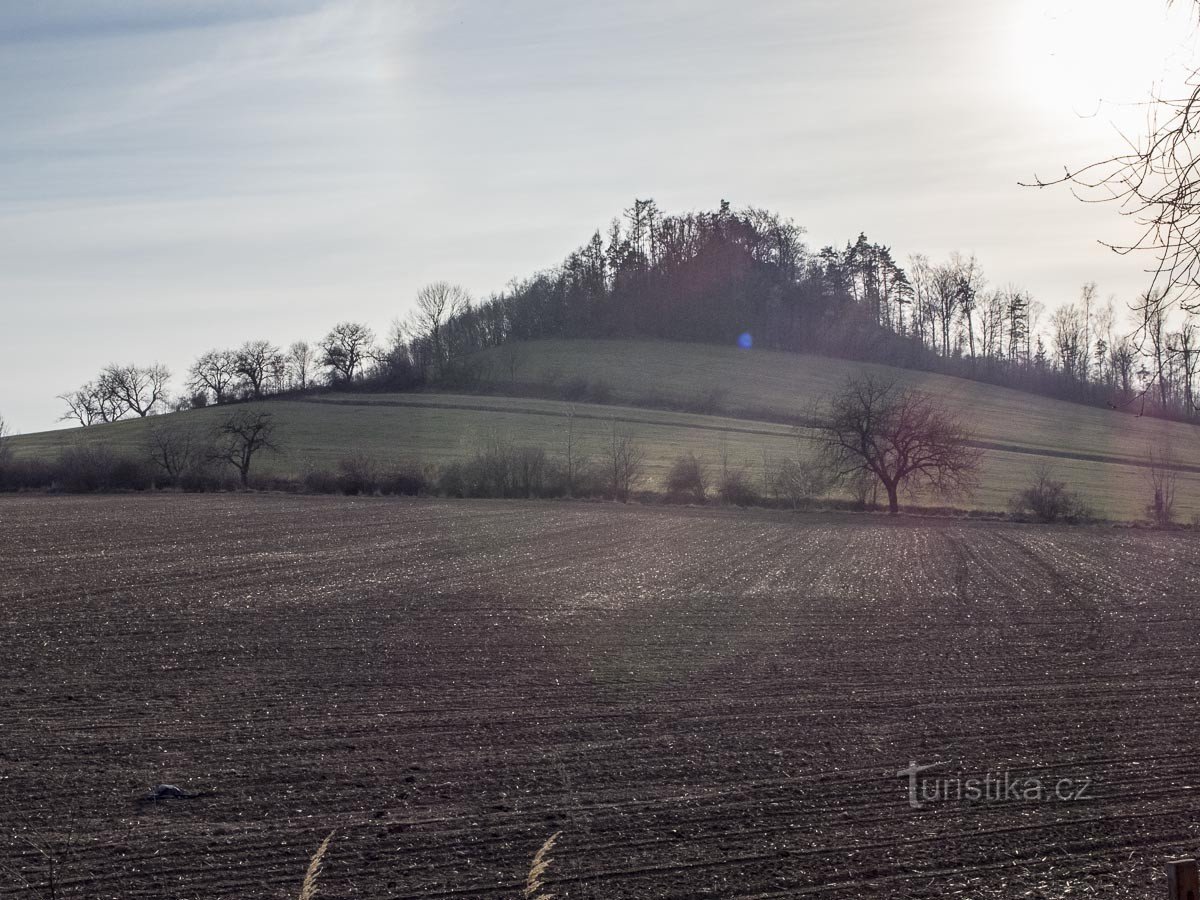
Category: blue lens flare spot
[746,340]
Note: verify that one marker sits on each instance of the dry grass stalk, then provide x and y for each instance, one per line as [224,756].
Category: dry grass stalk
[541,863]
[308,890]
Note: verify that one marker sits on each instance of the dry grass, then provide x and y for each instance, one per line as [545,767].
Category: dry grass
[541,864]
[308,891]
[534,885]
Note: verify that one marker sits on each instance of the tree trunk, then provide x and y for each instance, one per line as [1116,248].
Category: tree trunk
[893,498]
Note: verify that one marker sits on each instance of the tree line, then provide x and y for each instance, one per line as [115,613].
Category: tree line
[721,276]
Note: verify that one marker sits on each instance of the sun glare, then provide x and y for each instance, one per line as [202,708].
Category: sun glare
[1100,57]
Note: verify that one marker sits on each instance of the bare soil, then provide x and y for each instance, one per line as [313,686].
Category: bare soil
[706,703]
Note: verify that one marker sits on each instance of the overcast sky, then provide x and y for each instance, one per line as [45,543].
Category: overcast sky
[176,176]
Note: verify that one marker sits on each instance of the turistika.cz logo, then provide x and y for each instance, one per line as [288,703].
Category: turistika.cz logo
[926,787]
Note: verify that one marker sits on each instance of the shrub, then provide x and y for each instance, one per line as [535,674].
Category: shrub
[736,489]
[555,481]
[798,481]
[502,469]
[203,476]
[321,481]
[1049,500]
[404,482]
[280,483]
[585,480]
[528,471]
[862,487]
[452,480]
[358,473]
[687,480]
[499,469]
[25,474]
[489,472]
[87,468]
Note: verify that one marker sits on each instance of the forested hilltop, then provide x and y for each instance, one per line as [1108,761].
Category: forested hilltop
[747,275]
[727,277]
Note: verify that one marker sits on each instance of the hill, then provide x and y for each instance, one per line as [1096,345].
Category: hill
[1099,452]
[770,385]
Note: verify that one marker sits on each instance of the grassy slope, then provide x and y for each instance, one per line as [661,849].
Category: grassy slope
[432,427]
[788,384]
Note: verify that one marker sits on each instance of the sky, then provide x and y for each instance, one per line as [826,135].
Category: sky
[178,176]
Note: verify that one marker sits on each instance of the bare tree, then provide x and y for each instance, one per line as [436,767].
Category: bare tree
[1164,481]
[945,300]
[5,443]
[1154,327]
[258,363]
[626,461]
[513,356]
[175,449]
[899,437]
[136,389]
[1187,350]
[240,436]
[968,277]
[1121,356]
[436,304]
[1155,182]
[83,405]
[1070,341]
[301,360]
[215,373]
[118,392]
[575,464]
[346,349]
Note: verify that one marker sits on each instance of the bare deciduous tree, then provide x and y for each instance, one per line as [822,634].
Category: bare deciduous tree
[1155,182]
[175,449]
[513,356]
[1164,481]
[899,437]
[625,463]
[118,392]
[346,349]
[1185,346]
[301,360]
[136,389]
[437,303]
[83,405]
[573,463]
[214,373]
[241,436]
[5,444]
[258,363]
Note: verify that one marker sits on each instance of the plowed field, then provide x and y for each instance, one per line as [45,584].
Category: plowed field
[704,703]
